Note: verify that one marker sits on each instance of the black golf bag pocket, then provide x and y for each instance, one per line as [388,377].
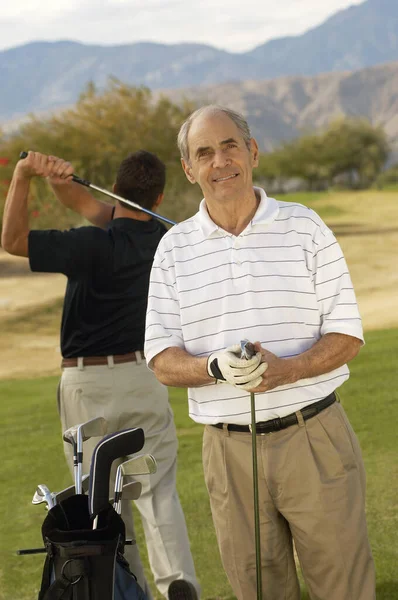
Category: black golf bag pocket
[84,563]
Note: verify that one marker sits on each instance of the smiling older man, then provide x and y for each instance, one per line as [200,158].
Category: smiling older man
[249,266]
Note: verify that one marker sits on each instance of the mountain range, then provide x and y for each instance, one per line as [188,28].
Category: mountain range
[283,108]
[282,86]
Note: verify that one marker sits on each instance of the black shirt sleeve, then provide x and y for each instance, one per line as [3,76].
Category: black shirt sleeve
[69,252]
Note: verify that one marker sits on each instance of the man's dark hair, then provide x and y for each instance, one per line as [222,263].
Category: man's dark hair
[141,177]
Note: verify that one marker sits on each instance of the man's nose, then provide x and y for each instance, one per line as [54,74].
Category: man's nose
[220,159]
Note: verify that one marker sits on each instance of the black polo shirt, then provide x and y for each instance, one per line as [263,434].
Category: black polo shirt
[108,278]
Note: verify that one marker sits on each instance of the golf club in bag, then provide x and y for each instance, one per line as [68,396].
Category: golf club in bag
[86,562]
[90,185]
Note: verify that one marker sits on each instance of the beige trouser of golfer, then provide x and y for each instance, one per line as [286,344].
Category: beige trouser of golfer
[311,488]
[129,395]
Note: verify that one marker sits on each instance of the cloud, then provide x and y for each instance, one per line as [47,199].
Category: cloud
[234,25]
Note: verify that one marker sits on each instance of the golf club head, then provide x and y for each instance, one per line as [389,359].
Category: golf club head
[112,446]
[94,428]
[70,435]
[132,490]
[43,494]
[76,435]
[143,464]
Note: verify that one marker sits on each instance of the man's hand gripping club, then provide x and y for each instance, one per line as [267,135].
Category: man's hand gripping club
[227,366]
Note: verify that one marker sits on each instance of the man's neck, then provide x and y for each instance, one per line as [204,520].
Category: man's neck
[235,216]
[126,213]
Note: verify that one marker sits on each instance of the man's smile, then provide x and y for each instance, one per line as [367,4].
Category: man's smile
[226,177]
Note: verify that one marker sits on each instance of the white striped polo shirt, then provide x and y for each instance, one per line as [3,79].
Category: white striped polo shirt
[283,282]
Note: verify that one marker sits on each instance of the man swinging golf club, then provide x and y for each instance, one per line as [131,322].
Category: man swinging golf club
[102,338]
[247,266]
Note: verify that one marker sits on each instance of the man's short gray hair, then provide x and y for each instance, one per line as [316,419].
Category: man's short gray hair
[237,118]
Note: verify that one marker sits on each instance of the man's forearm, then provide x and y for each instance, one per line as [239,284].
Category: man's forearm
[80,200]
[177,368]
[14,238]
[331,352]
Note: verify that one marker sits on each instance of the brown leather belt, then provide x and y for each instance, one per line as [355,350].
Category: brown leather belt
[283,422]
[92,361]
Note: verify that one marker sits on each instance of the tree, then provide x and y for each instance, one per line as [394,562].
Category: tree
[350,149]
[95,135]
[356,149]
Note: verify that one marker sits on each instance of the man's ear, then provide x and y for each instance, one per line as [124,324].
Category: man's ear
[158,201]
[254,152]
[188,171]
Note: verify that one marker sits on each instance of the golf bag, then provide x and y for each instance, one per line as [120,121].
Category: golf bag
[84,563]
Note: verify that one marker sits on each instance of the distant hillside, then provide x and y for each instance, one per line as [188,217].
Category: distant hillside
[42,76]
[283,108]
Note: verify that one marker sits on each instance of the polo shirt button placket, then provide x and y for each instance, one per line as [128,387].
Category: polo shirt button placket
[235,247]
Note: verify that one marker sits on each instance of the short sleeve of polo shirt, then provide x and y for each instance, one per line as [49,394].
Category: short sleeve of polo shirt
[163,320]
[69,252]
[334,289]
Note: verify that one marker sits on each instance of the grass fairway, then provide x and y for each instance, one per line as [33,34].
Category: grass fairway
[31,453]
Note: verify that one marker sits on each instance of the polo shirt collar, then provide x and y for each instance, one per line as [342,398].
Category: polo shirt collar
[265,214]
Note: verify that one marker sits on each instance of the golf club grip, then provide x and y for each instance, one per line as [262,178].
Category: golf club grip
[247,349]
[24,551]
[75,178]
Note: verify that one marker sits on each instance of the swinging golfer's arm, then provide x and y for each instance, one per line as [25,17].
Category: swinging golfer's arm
[14,237]
[78,198]
[178,368]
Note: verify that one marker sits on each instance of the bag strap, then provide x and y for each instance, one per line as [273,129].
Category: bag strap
[46,577]
[74,573]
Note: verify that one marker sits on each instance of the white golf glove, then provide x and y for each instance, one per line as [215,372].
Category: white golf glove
[227,365]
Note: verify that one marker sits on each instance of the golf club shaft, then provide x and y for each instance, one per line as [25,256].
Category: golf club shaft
[90,185]
[247,351]
[79,470]
[255,497]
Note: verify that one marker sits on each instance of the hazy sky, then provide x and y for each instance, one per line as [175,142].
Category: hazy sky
[234,25]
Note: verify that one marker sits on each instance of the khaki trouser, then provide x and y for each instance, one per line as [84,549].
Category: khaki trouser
[311,489]
[129,395]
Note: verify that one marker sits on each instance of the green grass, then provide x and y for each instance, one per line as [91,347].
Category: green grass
[31,453]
